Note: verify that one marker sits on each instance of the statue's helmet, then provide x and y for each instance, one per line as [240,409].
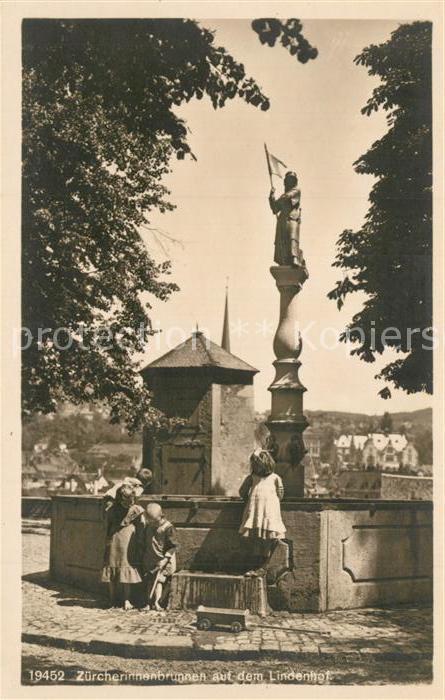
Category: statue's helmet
[290,179]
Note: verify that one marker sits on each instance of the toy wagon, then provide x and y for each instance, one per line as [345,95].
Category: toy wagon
[226,617]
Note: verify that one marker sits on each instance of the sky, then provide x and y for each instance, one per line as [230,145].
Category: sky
[226,229]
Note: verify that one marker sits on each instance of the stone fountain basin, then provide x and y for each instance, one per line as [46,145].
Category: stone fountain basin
[344,553]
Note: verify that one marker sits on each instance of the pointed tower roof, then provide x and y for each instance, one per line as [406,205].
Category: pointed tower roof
[199,352]
[225,342]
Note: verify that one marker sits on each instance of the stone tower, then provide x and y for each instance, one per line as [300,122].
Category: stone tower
[213,390]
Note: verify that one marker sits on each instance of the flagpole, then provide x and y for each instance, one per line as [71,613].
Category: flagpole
[268,165]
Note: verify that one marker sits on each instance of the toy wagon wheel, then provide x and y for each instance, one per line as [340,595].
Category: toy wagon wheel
[204,623]
[236,627]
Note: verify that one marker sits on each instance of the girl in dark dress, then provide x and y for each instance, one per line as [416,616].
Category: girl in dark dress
[125,534]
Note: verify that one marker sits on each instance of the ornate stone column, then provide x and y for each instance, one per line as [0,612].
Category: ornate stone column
[287,422]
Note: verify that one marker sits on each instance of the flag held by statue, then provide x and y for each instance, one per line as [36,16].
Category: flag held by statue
[274,165]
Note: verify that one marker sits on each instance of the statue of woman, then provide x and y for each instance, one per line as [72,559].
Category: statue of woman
[287,236]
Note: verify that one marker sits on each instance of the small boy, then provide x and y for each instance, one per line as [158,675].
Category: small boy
[159,558]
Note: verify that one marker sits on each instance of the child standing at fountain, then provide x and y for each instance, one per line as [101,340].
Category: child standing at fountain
[262,520]
[159,558]
[125,532]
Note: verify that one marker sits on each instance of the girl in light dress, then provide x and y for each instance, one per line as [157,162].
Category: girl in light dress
[262,522]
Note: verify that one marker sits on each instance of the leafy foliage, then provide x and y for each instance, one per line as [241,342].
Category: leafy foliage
[424,445]
[386,422]
[327,442]
[99,130]
[290,34]
[390,257]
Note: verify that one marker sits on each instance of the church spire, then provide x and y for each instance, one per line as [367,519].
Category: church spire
[225,342]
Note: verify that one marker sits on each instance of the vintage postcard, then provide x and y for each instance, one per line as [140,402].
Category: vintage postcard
[223,365]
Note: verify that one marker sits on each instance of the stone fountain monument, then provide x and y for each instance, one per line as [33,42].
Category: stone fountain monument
[287,421]
[337,555]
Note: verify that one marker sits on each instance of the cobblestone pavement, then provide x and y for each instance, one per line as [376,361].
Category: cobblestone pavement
[62,617]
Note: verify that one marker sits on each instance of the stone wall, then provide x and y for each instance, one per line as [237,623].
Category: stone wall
[232,437]
[343,553]
[379,556]
[409,487]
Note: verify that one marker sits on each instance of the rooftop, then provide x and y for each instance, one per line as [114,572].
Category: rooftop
[199,351]
[358,441]
[379,440]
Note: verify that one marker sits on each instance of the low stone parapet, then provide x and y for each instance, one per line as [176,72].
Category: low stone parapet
[342,553]
[36,507]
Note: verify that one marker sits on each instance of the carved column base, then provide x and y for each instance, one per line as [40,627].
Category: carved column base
[287,439]
[287,421]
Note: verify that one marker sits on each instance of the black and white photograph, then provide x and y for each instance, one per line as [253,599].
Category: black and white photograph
[229,276]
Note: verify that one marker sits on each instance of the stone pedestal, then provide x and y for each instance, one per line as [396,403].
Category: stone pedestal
[287,421]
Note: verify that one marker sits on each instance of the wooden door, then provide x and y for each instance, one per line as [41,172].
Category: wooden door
[183,469]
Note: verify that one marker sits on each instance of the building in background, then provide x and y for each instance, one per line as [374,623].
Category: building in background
[376,451]
[348,450]
[314,487]
[312,442]
[45,470]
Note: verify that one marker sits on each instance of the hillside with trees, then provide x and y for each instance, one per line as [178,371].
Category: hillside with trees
[417,425]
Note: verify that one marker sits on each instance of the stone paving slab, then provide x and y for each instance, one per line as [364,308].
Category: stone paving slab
[58,615]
